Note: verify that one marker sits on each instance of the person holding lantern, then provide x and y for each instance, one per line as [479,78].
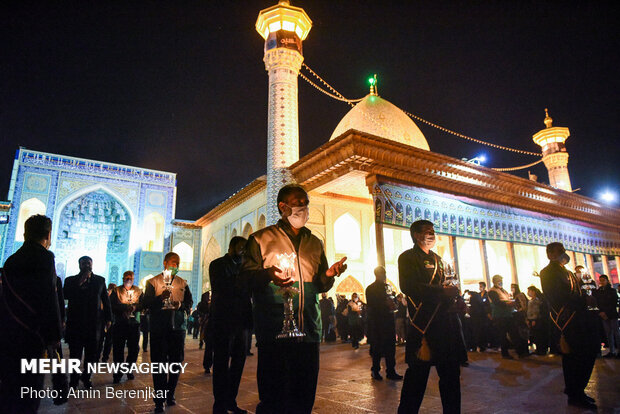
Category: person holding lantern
[126,301]
[278,257]
[435,337]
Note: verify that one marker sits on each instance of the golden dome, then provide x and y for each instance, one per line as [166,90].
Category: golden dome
[374,115]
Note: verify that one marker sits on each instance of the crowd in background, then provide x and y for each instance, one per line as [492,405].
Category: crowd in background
[491,318]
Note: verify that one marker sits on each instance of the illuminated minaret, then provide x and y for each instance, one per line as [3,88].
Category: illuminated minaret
[555,157]
[283,27]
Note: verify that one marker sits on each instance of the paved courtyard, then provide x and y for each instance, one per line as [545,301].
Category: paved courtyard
[489,385]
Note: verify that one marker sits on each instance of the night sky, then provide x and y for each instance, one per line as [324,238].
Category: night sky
[181,86]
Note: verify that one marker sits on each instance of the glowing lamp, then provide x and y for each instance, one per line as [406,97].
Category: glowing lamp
[608,197]
[286,263]
[283,16]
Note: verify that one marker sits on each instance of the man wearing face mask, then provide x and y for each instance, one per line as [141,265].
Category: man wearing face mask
[168,326]
[88,317]
[126,301]
[231,319]
[578,340]
[287,372]
[29,315]
[435,337]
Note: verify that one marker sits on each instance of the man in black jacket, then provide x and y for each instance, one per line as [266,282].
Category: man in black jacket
[168,326]
[577,326]
[126,301]
[231,318]
[29,315]
[88,316]
[607,302]
[381,326]
[435,329]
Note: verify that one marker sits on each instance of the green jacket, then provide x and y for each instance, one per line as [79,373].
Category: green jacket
[261,253]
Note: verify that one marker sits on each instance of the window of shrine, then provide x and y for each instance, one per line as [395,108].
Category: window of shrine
[186,253]
[153,233]
[27,209]
[347,237]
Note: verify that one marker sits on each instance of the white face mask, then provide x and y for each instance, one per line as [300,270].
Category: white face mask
[299,216]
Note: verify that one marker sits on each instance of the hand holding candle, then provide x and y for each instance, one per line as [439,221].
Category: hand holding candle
[337,268]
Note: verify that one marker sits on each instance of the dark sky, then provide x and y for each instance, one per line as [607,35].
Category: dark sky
[180,86]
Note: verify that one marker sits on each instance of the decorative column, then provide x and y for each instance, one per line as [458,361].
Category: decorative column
[605,266]
[551,139]
[283,27]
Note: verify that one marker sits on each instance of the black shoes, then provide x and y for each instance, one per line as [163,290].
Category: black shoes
[582,402]
[87,384]
[171,401]
[159,407]
[130,376]
[394,376]
[116,380]
[376,375]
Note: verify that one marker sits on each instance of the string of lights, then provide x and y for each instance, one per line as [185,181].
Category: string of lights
[338,96]
[521,167]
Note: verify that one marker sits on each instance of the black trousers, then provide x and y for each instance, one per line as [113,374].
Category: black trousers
[107,344]
[125,335]
[414,387]
[229,349]
[145,340]
[502,326]
[287,374]
[577,369]
[480,332]
[89,348]
[11,400]
[168,346]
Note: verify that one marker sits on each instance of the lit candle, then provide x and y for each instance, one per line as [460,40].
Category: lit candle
[286,263]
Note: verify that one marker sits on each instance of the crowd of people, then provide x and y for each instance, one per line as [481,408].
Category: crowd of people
[436,322]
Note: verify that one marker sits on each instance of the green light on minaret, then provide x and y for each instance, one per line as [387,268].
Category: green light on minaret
[372,81]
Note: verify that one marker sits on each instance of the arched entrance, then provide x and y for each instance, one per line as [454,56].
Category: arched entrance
[94,224]
[349,286]
[212,252]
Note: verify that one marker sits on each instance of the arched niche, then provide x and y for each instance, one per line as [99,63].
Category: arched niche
[261,222]
[186,253]
[350,285]
[28,208]
[212,251]
[247,230]
[95,224]
[347,237]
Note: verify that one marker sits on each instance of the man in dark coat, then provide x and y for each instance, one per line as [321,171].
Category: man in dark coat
[607,302]
[577,325]
[168,326]
[327,315]
[29,315]
[88,316]
[381,326]
[106,341]
[126,302]
[231,318]
[435,325]
[287,371]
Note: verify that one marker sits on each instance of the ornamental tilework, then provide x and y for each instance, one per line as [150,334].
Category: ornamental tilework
[466,219]
[283,124]
[96,208]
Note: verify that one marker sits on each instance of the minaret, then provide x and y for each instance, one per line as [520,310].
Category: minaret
[283,27]
[555,157]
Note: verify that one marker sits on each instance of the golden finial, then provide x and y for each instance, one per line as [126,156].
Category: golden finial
[373,85]
[548,120]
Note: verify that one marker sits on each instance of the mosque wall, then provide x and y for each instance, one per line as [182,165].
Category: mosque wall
[121,216]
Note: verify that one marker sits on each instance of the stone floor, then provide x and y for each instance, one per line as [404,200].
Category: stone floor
[489,385]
